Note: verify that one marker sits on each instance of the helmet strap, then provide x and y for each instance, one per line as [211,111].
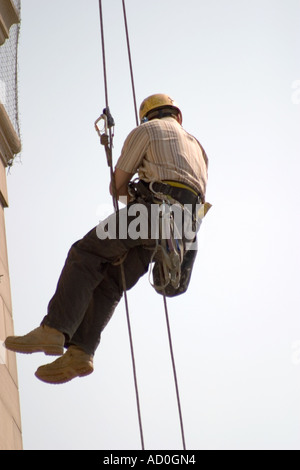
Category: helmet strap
[162,113]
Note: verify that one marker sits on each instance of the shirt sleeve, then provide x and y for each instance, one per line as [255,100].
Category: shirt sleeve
[134,150]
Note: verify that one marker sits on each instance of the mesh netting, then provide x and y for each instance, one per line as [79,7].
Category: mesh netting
[9,73]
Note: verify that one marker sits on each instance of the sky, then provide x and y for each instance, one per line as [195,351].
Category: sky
[234,68]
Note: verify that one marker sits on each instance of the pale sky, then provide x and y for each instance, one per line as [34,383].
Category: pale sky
[234,68]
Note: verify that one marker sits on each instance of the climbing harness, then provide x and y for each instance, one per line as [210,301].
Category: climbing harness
[168,253]
[169,248]
[173,252]
[169,245]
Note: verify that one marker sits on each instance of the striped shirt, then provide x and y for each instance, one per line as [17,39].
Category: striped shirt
[161,150]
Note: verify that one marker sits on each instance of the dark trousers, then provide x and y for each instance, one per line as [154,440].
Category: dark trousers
[90,286]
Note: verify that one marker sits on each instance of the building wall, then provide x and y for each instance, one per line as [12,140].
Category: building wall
[10,416]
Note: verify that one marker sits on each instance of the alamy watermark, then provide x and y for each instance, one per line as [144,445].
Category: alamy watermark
[153,221]
[296,93]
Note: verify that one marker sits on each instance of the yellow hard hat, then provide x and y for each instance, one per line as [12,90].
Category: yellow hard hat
[157,101]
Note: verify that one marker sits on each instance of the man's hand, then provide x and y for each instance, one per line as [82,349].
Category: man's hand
[122,179]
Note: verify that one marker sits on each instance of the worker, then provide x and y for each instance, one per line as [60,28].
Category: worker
[169,162]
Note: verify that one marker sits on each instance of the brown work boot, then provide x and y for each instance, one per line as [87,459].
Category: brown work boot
[43,339]
[74,363]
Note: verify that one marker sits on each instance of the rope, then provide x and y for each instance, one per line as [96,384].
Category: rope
[164,295]
[116,207]
[133,359]
[103,54]
[108,147]
[130,63]
[174,372]
[121,265]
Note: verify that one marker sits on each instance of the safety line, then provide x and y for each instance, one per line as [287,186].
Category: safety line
[174,372]
[112,177]
[121,265]
[164,294]
[130,63]
[103,54]
[132,356]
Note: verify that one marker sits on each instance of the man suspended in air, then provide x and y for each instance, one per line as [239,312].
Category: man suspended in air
[172,171]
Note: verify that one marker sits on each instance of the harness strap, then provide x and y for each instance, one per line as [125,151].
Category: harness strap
[180,193]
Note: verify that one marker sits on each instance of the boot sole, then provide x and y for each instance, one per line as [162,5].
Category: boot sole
[49,350]
[63,376]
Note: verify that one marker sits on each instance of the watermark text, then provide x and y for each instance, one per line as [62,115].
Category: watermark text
[153,221]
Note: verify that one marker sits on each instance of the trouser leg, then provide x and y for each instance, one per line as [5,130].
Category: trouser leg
[84,270]
[100,310]
[106,297]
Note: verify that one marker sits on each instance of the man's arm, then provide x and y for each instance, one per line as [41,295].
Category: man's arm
[122,179]
[133,152]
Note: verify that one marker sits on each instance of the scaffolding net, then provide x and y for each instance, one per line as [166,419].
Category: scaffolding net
[9,73]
